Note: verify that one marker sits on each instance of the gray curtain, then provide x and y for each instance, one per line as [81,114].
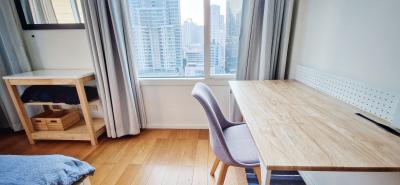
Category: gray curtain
[264,39]
[263,42]
[108,28]
[13,60]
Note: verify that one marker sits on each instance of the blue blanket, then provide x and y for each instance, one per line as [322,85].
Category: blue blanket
[42,170]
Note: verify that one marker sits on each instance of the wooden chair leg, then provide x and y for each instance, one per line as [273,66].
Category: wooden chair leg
[257,171]
[222,174]
[214,166]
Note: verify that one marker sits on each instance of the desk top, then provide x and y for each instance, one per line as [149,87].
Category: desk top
[296,127]
[50,74]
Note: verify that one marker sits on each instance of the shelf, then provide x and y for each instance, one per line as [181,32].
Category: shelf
[58,104]
[50,77]
[76,132]
[77,78]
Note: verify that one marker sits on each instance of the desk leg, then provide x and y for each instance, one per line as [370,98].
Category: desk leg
[265,174]
[80,87]
[19,106]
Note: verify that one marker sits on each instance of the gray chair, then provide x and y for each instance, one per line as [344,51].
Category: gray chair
[231,142]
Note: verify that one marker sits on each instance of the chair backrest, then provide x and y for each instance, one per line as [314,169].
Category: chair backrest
[216,121]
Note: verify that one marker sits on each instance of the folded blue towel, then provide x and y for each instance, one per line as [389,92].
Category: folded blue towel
[42,170]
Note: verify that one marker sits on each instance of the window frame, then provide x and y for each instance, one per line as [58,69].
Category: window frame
[208,77]
[207,38]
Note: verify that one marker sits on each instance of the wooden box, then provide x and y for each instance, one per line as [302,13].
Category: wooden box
[55,120]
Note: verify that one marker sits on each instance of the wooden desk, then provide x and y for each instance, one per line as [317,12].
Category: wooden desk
[89,129]
[298,128]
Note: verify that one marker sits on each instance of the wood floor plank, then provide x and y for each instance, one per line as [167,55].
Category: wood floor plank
[203,134]
[240,176]
[158,161]
[121,162]
[156,134]
[155,157]
[231,176]
[143,157]
[129,174]
[16,147]
[157,174]
[200,174]
[144,151]
[142,177]
[185,175]
[188,134]
[187,162]
[93,156]
[101,173]
[211,157]
[175,155]
[108,154]
[11,139]
[189,152]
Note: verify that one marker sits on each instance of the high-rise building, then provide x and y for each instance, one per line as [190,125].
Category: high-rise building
[192,34]
[193,47]
[233,21]
[194,61]
[157,37]
[217,45]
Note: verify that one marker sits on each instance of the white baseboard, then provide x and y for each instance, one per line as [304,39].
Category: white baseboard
[176,126]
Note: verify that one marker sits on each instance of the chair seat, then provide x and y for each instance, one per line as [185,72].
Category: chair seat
[241,145]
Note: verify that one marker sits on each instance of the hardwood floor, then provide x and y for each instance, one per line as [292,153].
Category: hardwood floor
[155,157]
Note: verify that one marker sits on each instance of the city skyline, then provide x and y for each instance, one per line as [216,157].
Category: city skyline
[166,45]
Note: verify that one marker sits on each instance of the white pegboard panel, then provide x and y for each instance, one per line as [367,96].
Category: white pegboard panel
[379,102]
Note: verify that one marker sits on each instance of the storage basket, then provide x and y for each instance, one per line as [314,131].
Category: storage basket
[55,120]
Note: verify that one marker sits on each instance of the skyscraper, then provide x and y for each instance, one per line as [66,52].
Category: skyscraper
[233,21]
[157,37]
[192,34]
[217,47]
[193,48]
[194,62]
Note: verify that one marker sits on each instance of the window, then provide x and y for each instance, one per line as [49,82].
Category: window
[225,18]
[169,37]
[50,14]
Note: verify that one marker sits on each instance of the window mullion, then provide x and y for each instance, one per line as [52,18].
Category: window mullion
[207,38]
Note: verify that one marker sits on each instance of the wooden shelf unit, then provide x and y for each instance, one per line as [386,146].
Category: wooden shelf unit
[76,132]
[88,129]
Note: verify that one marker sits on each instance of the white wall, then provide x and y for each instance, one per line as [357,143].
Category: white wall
[171,105]
[358,39]
[354,38]
[168,104]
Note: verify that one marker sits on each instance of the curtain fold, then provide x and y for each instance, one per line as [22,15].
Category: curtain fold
[263,42]
[108,28]
[275,39]
[264,39]
[13,59]
[250,40]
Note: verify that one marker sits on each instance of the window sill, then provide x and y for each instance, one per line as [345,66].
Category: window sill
[213,81]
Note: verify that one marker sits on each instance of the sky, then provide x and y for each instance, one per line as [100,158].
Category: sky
[193,9]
